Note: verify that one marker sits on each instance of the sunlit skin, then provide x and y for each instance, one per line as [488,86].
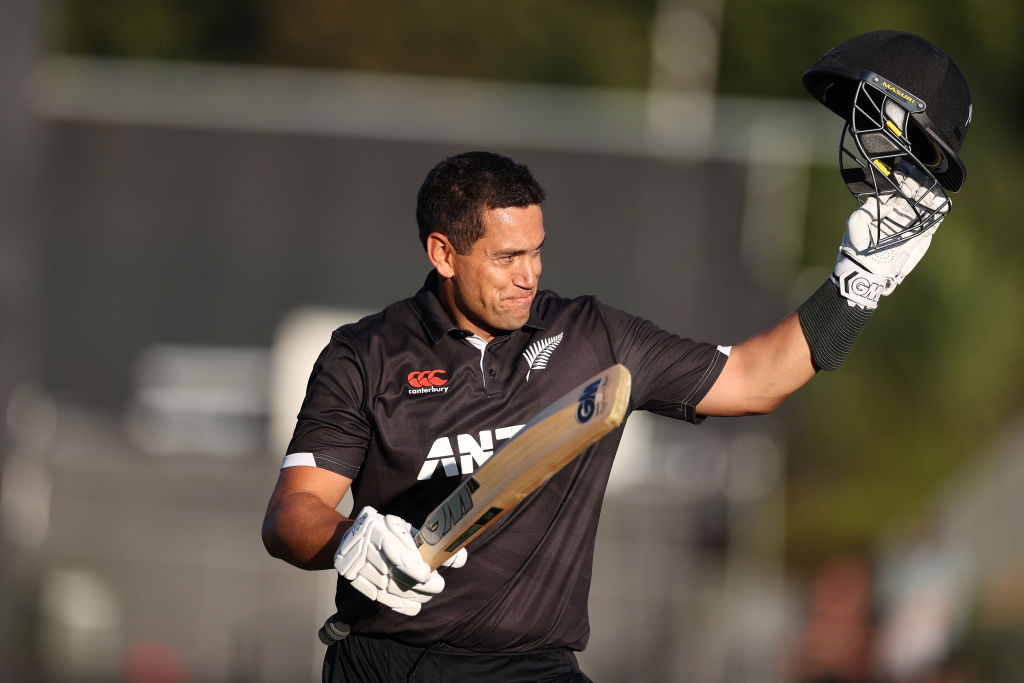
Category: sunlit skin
[489,290]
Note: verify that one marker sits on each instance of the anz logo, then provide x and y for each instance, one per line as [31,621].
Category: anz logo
[463,453]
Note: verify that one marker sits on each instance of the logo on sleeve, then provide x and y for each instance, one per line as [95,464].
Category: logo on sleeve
[427,381]
[539,353]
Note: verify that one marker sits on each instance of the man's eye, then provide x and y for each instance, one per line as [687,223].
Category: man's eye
[505,260]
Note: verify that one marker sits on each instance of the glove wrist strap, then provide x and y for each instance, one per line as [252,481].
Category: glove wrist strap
[831,325]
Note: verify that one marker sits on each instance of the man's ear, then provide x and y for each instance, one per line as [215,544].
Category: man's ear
[441,254]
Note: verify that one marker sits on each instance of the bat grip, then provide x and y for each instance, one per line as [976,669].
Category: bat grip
[333,630]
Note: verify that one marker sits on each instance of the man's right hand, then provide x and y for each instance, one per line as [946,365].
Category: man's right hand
[379,556]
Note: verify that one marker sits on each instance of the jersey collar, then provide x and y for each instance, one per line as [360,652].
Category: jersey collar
[435,320]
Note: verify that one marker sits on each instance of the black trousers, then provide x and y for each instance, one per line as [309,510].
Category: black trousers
[359,659]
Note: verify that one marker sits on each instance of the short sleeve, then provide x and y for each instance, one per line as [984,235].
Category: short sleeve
[333,430]
[670,374]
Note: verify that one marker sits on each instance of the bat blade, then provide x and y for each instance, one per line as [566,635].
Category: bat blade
[545,444]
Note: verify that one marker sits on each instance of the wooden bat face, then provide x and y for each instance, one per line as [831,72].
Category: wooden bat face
[540,449]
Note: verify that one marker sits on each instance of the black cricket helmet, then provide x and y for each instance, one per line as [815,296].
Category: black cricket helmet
[904,102]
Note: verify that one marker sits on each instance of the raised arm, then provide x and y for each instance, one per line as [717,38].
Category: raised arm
[764,370]
[761,372]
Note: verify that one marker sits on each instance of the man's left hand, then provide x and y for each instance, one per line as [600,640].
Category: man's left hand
[863,273]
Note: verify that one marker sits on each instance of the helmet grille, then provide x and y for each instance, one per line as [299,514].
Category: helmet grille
[875,139]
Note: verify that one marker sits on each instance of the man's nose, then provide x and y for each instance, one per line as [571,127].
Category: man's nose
[528,273]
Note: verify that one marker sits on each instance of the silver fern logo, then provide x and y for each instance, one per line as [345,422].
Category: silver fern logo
[539,353]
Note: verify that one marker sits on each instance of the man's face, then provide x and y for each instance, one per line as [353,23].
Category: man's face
[491,288]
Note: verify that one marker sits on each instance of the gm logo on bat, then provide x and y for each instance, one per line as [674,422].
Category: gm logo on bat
[460,502]
[588,402]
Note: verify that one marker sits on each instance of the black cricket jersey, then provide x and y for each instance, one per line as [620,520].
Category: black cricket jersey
[404,404]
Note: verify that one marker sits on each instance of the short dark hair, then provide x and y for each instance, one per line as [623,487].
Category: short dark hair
[457,191]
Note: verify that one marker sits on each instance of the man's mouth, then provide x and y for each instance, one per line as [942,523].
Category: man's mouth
[524,300]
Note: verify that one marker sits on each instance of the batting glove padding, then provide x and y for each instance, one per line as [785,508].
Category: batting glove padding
[865,273]
[379,557]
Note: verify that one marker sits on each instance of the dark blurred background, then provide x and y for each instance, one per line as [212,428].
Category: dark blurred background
[195,193]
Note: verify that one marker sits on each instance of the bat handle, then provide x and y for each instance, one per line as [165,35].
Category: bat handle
[333,630]
[336,628]
[427,552]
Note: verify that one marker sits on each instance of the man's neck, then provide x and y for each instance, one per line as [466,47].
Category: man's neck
[446,295]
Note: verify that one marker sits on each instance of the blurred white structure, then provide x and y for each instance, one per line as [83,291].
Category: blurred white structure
[298,341]
[199,400]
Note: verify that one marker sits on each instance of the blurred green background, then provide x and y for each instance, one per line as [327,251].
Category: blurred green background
[935,383]
[939,370]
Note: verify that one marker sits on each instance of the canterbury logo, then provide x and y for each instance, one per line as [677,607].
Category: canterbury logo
[427,382]
[539,353]
[463,453]
[427,378]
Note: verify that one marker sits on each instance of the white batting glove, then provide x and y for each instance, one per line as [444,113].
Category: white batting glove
[864,275]
[457,560]
[379,557]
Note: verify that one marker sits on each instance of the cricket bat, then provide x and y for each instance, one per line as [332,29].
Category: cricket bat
[544,445]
